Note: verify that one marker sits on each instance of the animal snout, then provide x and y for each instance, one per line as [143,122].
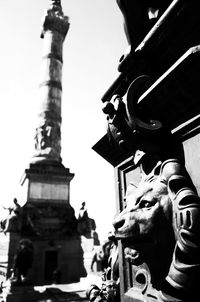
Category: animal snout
[126,225]
[118,223]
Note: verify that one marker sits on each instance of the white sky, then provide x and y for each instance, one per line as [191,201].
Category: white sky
[92,49]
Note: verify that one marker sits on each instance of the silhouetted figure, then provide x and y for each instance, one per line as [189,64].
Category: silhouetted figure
[85,224]
[23,260]
[97,258]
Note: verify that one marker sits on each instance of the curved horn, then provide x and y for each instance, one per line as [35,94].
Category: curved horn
[136,88]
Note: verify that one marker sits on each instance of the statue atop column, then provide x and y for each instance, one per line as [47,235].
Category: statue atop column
[56,2]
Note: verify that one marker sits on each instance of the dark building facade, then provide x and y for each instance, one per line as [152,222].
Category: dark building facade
[153,118]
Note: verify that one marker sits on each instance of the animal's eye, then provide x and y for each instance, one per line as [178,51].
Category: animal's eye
[145,203]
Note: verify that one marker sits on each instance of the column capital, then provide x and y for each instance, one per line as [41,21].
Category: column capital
[54,19]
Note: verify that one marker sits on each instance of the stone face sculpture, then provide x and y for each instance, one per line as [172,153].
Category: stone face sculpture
[160,226]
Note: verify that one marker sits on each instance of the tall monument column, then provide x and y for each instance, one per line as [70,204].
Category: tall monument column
[49,219]
[48,131]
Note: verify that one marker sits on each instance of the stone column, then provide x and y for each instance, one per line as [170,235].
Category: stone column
[48,132]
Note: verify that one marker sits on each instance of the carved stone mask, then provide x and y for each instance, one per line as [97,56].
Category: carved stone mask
[161,225]
[147,208]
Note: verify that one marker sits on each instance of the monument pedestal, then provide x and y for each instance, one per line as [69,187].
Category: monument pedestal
[58,260]
[23,293]
[51,224]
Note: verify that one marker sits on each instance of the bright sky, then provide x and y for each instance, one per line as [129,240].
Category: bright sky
[92,49]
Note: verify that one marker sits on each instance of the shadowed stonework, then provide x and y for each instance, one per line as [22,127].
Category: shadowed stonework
[152,111]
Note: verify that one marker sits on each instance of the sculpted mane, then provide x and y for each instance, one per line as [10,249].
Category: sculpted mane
[160,227]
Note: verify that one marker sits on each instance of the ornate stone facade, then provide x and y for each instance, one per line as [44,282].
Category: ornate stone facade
[152,110]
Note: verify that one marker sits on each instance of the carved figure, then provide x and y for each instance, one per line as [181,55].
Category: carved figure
[83,211]
[12,222]
[48,136]
[36,220]
[160,227]
[85,224]
[39,138]
[56,2]
[22,262]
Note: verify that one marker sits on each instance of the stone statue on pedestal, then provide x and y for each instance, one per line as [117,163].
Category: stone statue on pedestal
[85,224]
[12,221]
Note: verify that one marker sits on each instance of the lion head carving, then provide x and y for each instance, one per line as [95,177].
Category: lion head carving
[160,226]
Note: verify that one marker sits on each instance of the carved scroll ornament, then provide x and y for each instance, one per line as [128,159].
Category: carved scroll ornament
[128,126]
[160,225]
